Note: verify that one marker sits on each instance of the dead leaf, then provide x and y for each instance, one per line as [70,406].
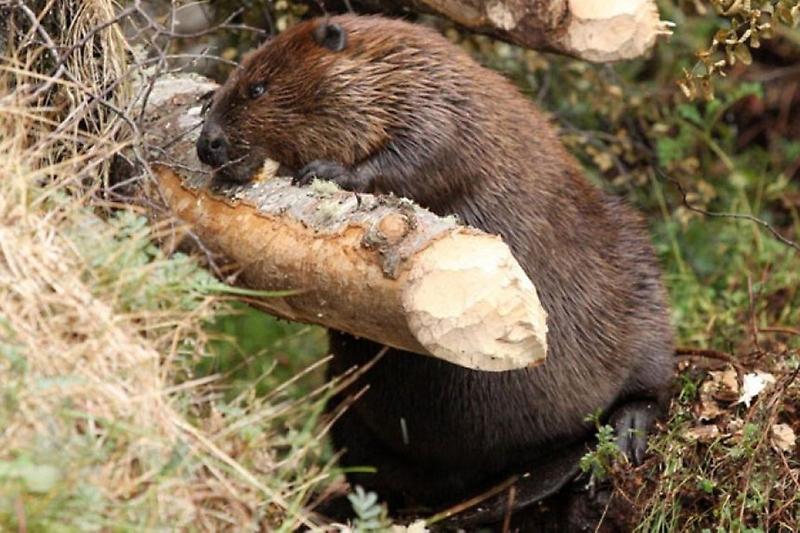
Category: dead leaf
[722,385]
[753,384]
[783,437]
[729,379]
[702,433]
[708,410]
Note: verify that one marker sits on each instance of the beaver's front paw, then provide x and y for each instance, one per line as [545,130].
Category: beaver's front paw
[324,170]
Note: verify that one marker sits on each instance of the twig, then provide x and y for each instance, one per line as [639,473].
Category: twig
[752,312]
[512,495]
[709,354]
[603,516]
[472,502]
[739,216]
[780,329]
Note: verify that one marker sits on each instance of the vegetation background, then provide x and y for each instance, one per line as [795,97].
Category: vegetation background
[139,393]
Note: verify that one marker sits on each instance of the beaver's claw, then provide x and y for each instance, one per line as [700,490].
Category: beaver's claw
[632,422]
[323,170]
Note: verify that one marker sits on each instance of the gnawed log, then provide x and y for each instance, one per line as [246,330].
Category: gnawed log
[374,266]
[595,30]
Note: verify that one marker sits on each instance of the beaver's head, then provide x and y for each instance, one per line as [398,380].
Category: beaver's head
[332,89]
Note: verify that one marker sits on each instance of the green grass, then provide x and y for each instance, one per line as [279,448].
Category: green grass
[251,347]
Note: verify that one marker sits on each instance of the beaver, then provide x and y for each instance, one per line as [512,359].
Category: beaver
[385,106]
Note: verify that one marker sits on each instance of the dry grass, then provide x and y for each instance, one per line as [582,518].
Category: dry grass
[103,424]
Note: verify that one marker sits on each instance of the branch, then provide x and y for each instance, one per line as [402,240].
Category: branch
[600,31]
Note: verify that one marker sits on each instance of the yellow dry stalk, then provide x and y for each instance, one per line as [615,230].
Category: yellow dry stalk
[86,369]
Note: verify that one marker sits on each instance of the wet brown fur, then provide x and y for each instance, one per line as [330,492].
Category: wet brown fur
[410,113]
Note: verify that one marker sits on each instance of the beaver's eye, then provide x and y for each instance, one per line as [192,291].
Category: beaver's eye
[256,90]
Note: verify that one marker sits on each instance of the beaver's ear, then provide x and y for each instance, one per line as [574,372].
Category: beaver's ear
[331,36]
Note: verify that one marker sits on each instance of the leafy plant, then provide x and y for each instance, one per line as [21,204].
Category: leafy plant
[748,22]
[599,462]
[371,515]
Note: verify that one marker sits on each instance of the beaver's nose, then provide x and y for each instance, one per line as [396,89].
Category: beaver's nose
[212,146]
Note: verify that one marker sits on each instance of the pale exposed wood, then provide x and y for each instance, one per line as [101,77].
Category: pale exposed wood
[377,267]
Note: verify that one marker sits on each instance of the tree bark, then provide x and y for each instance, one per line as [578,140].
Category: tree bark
[374,266]
[594,30]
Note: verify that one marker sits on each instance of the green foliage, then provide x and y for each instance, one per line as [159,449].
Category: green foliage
[32,477]
[688,389]
[696,127]
[251,347]
[710,305]
[370,514]
[599,462]
[122,259]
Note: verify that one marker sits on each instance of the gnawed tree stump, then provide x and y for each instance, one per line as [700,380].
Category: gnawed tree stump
[374,266]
